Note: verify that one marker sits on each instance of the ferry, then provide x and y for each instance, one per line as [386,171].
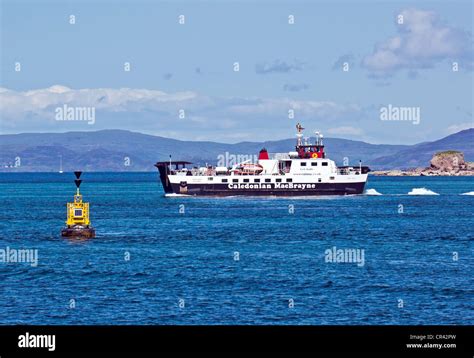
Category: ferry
[306,171]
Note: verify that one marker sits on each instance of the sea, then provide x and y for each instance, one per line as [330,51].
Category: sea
[401,254]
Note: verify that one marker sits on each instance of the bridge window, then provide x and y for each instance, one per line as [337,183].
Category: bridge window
[235,180]
[324,164]
[314,164]
[303,164]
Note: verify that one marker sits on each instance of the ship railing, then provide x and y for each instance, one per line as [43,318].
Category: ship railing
[278,156]
[346,170]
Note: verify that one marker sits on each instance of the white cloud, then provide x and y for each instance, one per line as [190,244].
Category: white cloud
[422,41]
[154,111]
[345,130]
[15,104]
[295,87]
[460,127]
[279,66]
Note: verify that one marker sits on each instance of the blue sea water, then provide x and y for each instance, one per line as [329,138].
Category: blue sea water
[237,260]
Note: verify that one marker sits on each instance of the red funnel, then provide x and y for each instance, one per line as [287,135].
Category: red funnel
[263,154]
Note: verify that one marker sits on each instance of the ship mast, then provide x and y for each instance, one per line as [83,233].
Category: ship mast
[299,135]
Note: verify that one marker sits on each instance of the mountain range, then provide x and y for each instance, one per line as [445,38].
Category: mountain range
[121,150]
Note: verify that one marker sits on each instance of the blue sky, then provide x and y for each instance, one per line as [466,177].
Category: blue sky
[190,67]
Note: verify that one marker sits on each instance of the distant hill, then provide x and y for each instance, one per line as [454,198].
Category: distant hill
[419,155]
[120,150]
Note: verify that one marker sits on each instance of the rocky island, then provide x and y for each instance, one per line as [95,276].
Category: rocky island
[447,163]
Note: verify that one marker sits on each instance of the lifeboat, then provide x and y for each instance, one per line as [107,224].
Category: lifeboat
[251,168]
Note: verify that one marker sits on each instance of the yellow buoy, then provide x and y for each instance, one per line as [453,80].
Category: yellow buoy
[78,223]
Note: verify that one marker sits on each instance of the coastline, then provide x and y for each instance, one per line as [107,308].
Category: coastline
[446,163]
[420,172]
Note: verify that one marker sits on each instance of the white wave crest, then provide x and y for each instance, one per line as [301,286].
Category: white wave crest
[174,195]
[372,192]
[422,191]
[468,193]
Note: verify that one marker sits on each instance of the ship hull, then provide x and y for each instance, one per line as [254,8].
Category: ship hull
[319,189]
[78,232]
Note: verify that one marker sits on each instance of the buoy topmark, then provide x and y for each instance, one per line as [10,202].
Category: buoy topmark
[78,223]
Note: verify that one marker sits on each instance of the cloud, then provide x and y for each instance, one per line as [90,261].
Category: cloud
[422,41]
[35,109]
[167,76]
[278,66]
[156,112]
[116,100]
[298,87]
[460,127]
[345,130]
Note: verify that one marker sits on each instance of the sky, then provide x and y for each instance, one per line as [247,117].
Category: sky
[334,66]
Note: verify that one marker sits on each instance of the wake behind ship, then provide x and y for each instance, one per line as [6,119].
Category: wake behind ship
[303,172]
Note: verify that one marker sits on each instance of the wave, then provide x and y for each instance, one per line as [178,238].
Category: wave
[468,193]
[174,195]
[372,192]
[421,191]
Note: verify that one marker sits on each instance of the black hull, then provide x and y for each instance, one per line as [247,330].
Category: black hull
[164,171]
[224,190]
[75,232]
